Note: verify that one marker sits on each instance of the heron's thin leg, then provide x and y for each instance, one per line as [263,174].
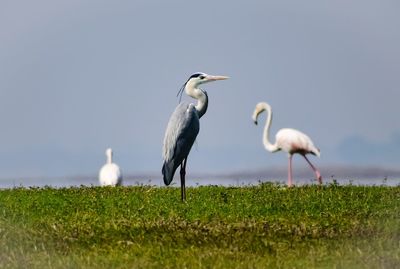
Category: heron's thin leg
[290,171]
[184,179]
[183,174]
[317,173]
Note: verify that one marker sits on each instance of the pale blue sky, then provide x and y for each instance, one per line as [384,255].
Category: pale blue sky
[79,76]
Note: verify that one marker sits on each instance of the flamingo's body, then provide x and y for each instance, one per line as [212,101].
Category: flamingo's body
[293,141]
[288,140]
[183,127]
[110,174]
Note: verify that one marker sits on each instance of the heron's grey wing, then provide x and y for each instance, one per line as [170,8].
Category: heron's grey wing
[181,133]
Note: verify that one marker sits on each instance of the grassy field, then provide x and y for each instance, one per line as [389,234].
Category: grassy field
[218,227]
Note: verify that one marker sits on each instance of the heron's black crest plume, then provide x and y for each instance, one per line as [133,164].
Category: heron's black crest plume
[195,75]
[180,92]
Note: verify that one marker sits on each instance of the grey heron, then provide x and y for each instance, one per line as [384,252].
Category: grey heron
[110,173]
[288,140]
[183,127]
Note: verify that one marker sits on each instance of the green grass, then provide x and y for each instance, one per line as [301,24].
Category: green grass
[218,227]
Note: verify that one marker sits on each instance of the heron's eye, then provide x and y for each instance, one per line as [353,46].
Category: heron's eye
[201,77]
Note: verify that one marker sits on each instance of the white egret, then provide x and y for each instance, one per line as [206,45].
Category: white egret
[110,174]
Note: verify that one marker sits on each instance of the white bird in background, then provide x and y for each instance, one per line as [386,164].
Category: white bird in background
[110,174]
[289,140]
[183,127]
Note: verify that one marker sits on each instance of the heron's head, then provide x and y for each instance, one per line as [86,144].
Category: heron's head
[195,80]
[260,107]
[200,78]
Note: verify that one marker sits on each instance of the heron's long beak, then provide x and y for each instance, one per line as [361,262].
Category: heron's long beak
[214,78]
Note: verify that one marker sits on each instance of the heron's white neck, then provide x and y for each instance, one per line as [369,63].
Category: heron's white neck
[267,144]
[201,96]
[109,156]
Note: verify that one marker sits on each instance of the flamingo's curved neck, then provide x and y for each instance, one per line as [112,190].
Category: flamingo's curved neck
[200,95]
[267,144]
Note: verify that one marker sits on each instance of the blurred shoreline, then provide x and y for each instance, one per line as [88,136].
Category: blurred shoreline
[343,175]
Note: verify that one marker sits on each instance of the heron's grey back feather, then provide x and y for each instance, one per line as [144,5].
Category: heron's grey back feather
[182,130]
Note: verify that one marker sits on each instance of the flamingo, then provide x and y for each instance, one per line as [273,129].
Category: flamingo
[110,173]
[288,140]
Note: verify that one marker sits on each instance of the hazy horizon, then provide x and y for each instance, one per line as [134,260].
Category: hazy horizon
[78,77]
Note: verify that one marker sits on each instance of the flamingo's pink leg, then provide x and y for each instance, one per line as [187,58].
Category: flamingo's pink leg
[317,173]
[290,171]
